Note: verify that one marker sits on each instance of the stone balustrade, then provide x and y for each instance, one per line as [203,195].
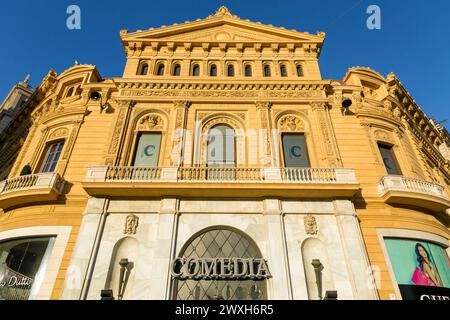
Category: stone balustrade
[413,185]
[32,182]
[221,174]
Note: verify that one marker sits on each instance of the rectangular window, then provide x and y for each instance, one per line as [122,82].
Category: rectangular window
[295,151]
[389,160]
[147,150]
[52,156]
[22,267]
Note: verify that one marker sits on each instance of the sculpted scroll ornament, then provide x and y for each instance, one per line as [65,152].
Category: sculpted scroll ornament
[382,135]
[291,124]
[131,224]
[62,132]
[310,225]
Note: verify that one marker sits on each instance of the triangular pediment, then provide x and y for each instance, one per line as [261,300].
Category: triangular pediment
[222,27]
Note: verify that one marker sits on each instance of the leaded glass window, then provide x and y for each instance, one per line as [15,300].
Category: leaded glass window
[220,242]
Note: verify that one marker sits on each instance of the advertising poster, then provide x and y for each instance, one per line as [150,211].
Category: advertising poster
[422,269]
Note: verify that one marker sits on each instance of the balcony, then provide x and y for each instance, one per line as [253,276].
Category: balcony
[413,192]
[220,182]
[33,188]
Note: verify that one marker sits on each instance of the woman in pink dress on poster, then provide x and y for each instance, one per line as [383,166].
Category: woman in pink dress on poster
[427,274]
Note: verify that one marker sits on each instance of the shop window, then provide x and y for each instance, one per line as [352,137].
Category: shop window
[294,151]
[248,71]
[283,71]
[177,70]
[147,150]
[213,70]
[195,70]
[421,268]
[22,266]
[389,159]
[211,249]
[51,158]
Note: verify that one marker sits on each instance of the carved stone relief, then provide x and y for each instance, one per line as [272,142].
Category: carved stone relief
[131,225]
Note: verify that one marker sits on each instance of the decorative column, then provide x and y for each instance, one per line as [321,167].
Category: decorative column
[179,133]
[265,144]
[114,151]
[329,145]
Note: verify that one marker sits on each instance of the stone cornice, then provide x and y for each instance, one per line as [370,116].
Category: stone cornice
[222,85]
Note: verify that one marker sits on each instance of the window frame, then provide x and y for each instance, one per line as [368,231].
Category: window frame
[234,144]
[232,68]
[143,66]
[283,159]
[160,66]
[195,66]
[267,67]
[283,68]
[394,157]
[212,67]
[136,145]
[46,153]
[175,67]
[248,67]
[299,66]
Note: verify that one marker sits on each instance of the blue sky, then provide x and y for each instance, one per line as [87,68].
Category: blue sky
[414,41]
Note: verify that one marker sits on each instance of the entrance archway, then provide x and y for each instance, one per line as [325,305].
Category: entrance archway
[217,245]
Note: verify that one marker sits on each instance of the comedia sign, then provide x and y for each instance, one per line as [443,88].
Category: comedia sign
[220,269]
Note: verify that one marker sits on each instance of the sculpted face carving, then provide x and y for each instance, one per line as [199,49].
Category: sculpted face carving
[131,224]
[310,225]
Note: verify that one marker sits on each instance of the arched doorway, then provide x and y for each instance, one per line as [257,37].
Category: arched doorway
[220,263]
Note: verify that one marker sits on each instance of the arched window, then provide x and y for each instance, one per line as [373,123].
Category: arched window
[248,71]
[209,249]
[266,71]
[299,71]
[160,70]
[283,71]
[230,70]
[177,70]
[213,70]
[195,70]
[221,146]
[143,69]
[70,92]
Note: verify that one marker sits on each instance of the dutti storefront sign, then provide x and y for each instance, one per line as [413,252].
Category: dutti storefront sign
[220,269]
[422,269]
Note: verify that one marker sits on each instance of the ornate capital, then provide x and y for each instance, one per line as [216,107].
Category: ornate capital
[319,106]
[263,105]
[185,104]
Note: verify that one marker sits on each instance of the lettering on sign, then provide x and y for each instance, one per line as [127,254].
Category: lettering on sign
[220,269]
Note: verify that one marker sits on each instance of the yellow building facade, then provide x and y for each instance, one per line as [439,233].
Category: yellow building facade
[221,165]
